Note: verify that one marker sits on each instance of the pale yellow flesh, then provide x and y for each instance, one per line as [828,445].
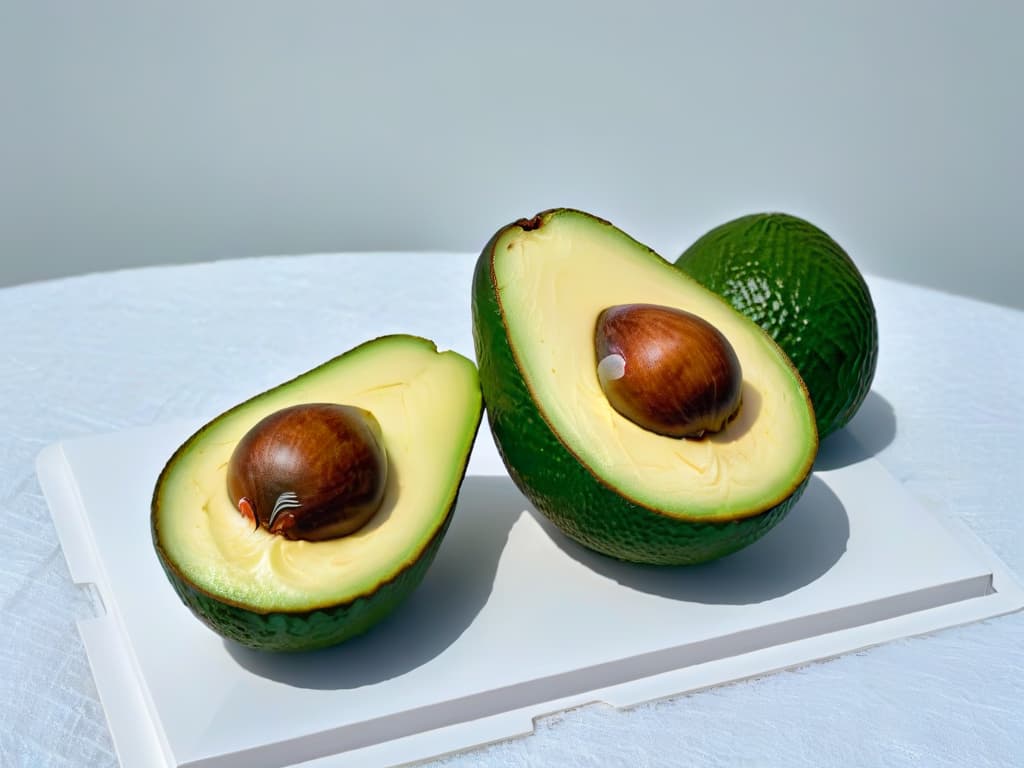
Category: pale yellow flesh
[427,405]
[553,283]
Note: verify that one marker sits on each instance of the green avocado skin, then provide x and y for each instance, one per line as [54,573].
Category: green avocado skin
[309,630]
[800,286]
[547,472]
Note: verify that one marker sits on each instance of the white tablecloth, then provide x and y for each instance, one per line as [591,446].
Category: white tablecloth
[107,352]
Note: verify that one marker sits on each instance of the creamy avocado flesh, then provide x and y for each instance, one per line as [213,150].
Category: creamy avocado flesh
[552,282]
[428,408]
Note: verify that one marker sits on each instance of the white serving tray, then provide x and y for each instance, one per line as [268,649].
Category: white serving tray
[512,622]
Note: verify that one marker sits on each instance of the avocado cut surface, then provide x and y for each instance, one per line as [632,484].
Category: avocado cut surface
[539,287]
[271,592]
[797,283]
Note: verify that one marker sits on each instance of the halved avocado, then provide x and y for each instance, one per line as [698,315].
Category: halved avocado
[613,486]
[269,592]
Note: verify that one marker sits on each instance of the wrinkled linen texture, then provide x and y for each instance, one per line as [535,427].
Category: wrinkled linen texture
[107,352]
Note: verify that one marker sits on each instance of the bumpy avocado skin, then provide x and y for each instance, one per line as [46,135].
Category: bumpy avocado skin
[547,472]
[800,286]
[309,630]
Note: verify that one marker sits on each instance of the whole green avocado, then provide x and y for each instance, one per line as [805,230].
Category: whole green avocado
[800,286]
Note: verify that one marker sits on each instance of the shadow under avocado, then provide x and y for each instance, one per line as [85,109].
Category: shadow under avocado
[799,550]
[867,434]
[452,593]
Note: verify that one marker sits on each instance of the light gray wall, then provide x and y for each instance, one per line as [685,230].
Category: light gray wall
[137,133]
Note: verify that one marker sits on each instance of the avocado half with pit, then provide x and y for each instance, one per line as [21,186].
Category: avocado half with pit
[271,586]
[540,294]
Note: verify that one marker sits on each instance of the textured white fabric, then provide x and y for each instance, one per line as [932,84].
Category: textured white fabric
[106,352]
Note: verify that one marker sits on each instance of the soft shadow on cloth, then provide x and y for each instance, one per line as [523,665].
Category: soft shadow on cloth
[799,550]
[452,593]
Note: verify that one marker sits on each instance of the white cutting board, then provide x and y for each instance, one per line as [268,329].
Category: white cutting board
[513,621]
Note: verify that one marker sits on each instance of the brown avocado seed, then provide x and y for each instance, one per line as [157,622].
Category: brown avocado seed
[315,471]
[667,370]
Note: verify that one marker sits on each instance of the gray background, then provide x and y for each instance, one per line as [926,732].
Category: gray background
[140,133]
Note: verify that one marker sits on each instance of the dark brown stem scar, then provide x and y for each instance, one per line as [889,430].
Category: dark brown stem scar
[528,225]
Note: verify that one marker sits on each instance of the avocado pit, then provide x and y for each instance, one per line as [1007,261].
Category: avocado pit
[313,471]
[667,370]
